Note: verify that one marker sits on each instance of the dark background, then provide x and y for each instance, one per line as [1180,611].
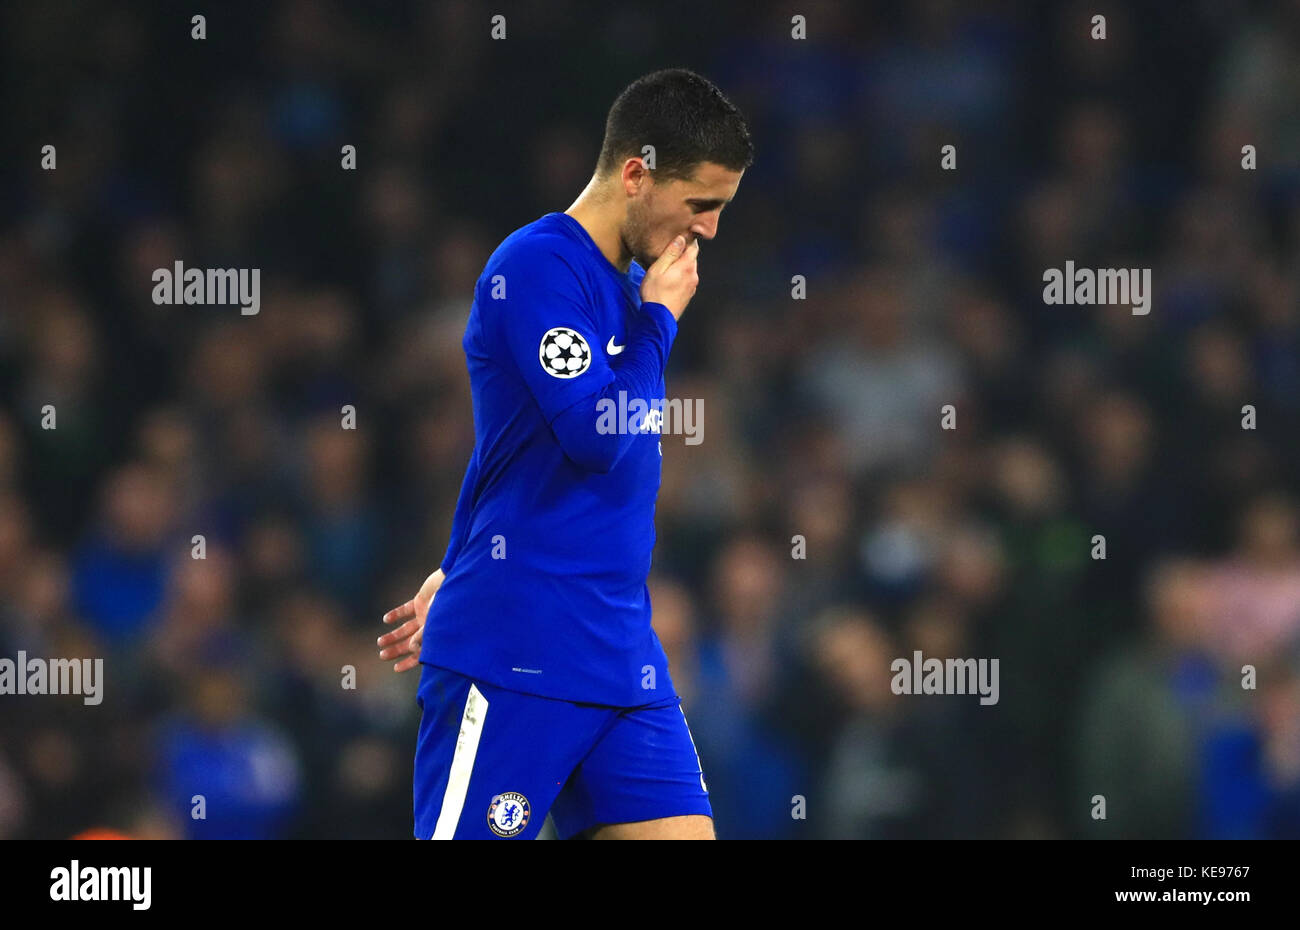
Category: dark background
[1118,677]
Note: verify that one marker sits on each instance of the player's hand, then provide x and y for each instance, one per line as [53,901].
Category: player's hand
[672,279]
[406,639]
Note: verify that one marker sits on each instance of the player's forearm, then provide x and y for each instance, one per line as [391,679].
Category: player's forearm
[655,328]
[639,373]
[460,520]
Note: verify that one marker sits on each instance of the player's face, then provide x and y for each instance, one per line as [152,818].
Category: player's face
[668,209]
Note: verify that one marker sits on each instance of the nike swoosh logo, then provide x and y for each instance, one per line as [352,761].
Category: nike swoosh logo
[613,349]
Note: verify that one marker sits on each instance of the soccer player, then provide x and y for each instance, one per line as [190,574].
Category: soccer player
[543,687]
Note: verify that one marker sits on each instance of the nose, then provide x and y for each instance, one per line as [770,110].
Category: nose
[706,227]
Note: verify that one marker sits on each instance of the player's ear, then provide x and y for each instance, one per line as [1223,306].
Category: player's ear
[635,176]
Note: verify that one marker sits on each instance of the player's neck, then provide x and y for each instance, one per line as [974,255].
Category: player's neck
[598,218]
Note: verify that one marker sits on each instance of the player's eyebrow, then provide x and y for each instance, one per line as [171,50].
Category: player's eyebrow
[708,204]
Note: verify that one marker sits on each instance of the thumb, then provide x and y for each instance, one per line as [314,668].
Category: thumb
[670,254]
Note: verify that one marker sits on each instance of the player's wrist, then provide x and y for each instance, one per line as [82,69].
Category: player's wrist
[660,314]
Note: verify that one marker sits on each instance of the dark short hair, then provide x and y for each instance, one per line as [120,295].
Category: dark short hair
[684,116]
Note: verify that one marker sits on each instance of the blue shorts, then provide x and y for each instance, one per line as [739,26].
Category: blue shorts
[491,763]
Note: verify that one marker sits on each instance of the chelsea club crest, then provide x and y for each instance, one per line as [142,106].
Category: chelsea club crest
[508,814]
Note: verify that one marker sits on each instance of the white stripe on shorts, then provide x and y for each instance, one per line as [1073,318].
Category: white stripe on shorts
[462,764]
[703,786]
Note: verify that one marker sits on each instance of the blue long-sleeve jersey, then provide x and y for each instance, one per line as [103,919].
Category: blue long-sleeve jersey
[545,588]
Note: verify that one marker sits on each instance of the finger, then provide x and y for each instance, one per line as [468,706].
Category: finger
[395,651]
[401,633]
[406,664]
[401,613]
[671,254]
[688,260]
[409,645]
[405,612]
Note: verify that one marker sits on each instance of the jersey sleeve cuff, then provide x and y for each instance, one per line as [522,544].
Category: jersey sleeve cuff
[662,316]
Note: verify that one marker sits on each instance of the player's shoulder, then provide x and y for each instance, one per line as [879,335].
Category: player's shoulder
[534,268]
[545,246]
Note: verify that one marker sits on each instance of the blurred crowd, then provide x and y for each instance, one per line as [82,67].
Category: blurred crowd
[1162,677]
